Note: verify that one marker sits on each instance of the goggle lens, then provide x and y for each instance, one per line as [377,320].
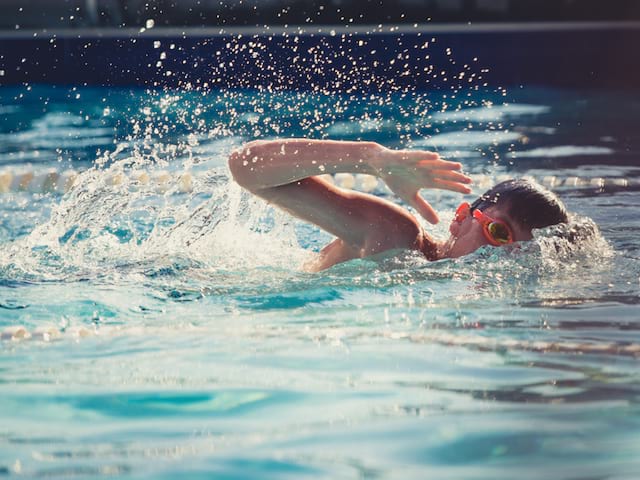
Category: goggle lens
[496,231]
[500,232]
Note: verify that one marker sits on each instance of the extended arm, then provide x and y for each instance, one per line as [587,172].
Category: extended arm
[265,164]
[285,172]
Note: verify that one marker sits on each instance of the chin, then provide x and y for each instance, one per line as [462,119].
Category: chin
[456,247]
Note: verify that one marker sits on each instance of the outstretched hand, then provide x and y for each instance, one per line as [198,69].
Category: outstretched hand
[407,171]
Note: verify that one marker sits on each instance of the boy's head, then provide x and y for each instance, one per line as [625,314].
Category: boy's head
[506,213]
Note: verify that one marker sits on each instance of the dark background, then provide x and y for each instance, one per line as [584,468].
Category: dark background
[34,14]
[566,43]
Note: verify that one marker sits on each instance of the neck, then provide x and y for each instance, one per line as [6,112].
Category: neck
[430,247]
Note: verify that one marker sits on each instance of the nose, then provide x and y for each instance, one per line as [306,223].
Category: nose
[454,228]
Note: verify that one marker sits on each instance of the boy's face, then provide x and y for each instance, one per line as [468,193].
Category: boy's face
[467,235]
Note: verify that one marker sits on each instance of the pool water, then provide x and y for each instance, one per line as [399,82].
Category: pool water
[156,322]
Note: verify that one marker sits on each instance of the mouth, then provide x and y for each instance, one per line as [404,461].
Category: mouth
[448,245]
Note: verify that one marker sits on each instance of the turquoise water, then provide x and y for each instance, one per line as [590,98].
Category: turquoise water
[168,331]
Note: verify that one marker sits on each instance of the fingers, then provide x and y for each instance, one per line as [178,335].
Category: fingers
[450,175]
[428,160]
[424,209]
[418,155]
[451,185]
[439,164]
[444,179]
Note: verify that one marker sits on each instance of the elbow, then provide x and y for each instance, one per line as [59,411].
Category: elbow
[236,166]
[239,165]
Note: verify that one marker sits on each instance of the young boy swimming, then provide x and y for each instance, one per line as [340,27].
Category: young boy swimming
[287,173]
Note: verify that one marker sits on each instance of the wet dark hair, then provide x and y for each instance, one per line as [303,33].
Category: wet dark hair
[527,203]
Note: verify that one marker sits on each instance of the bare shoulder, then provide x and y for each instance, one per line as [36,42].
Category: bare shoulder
[386,227]
[364,224]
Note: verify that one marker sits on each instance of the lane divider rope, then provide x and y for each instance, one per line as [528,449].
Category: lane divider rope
[50,180]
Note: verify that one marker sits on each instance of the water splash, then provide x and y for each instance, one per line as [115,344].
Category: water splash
[110,221]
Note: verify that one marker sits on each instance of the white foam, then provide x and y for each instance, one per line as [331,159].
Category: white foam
[469,138]
[563,151]
[491,113]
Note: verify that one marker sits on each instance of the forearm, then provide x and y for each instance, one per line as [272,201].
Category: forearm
[262,166]
[265,164]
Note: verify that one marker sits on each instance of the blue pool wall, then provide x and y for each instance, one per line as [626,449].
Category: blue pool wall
[554,54]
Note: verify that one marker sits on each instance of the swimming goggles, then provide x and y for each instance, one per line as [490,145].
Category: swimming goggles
[496,231]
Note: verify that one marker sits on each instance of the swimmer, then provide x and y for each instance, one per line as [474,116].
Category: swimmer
[287,173]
